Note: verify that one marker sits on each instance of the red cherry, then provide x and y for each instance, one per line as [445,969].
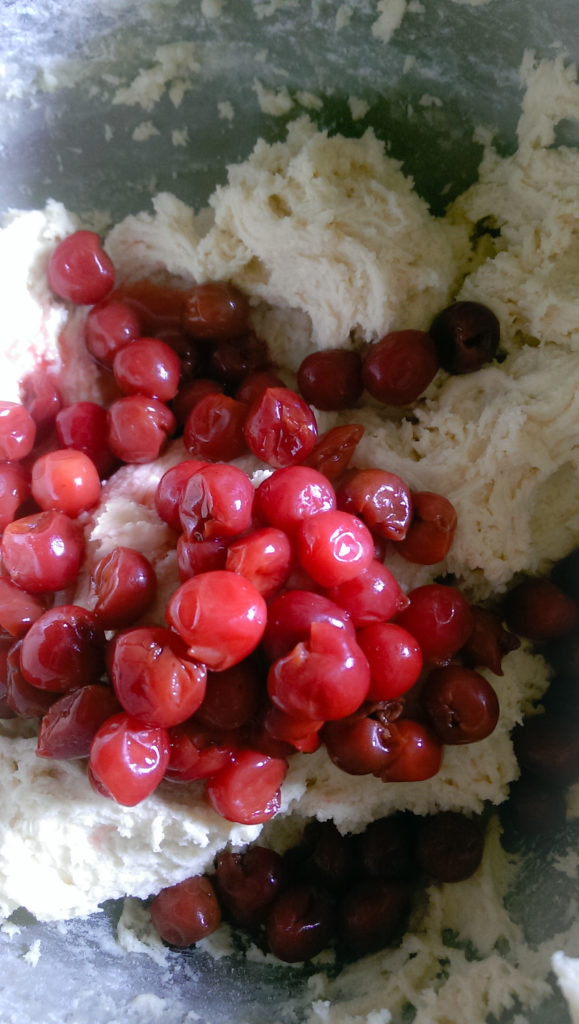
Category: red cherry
[18,609]
[170,490]
[394,657]
[280,428]
[466,336]
[264,557]
[63,649]
[149,367]
[381,499]
[216,501]
[215,310]
[186,912]
[68,727]
[249,882]
[333,451]
[17,431]
[461,705]
[431,530]
[190,393]
[197,556]
[290,616]
[154,679]
[441,620]
[41,399]
[220,615]
[65,480]
[293,494]
[372,596]
[109,326]
[214,428]
[14,490]
[247,789]
[325,678]
[301,923]
[399,367]
[43,552]
[128,759]
[334,547]
[197,752]
[79,269]
[232,697]
[23,699]
[331,379]
[83,426]
[138,428]
[415,752]
[125,585]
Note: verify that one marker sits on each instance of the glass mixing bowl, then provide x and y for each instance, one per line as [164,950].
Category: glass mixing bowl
[62,136]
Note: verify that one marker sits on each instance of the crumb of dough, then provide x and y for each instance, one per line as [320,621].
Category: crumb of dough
[358,108]
[273,101]
[32,955]
[225,110]
[175,64]
[343,16]
[390,17]
[212,8]
[309,100]
[566,969]
[180,136]
[144,131]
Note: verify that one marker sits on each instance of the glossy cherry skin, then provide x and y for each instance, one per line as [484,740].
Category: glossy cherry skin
[110,326]
[331,379]
[431,530]
[290,616]
[415,752]
[466,336]
[394,657]
[18,609]
[323,679]
[17,431]
[214,428]
[65,480]
[291,495]
[83,426]
[215,310]
[128,759]
[247,789]
[184,913]
[372,596]
[216,501]
[14,490]
[79,269]
[333,547]
[125,585]
[138,428]
[248,883]
[170,490]
[153,678]
[333,451]
[461,704]
[63,649]
[220,616]
[300,923]
[198,752]
[280,428]
[147,366]
[399,367]
[381,499]
[264,557]
[441,620]
[68,727]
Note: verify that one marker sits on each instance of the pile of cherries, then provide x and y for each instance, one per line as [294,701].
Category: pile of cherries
[287,631]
